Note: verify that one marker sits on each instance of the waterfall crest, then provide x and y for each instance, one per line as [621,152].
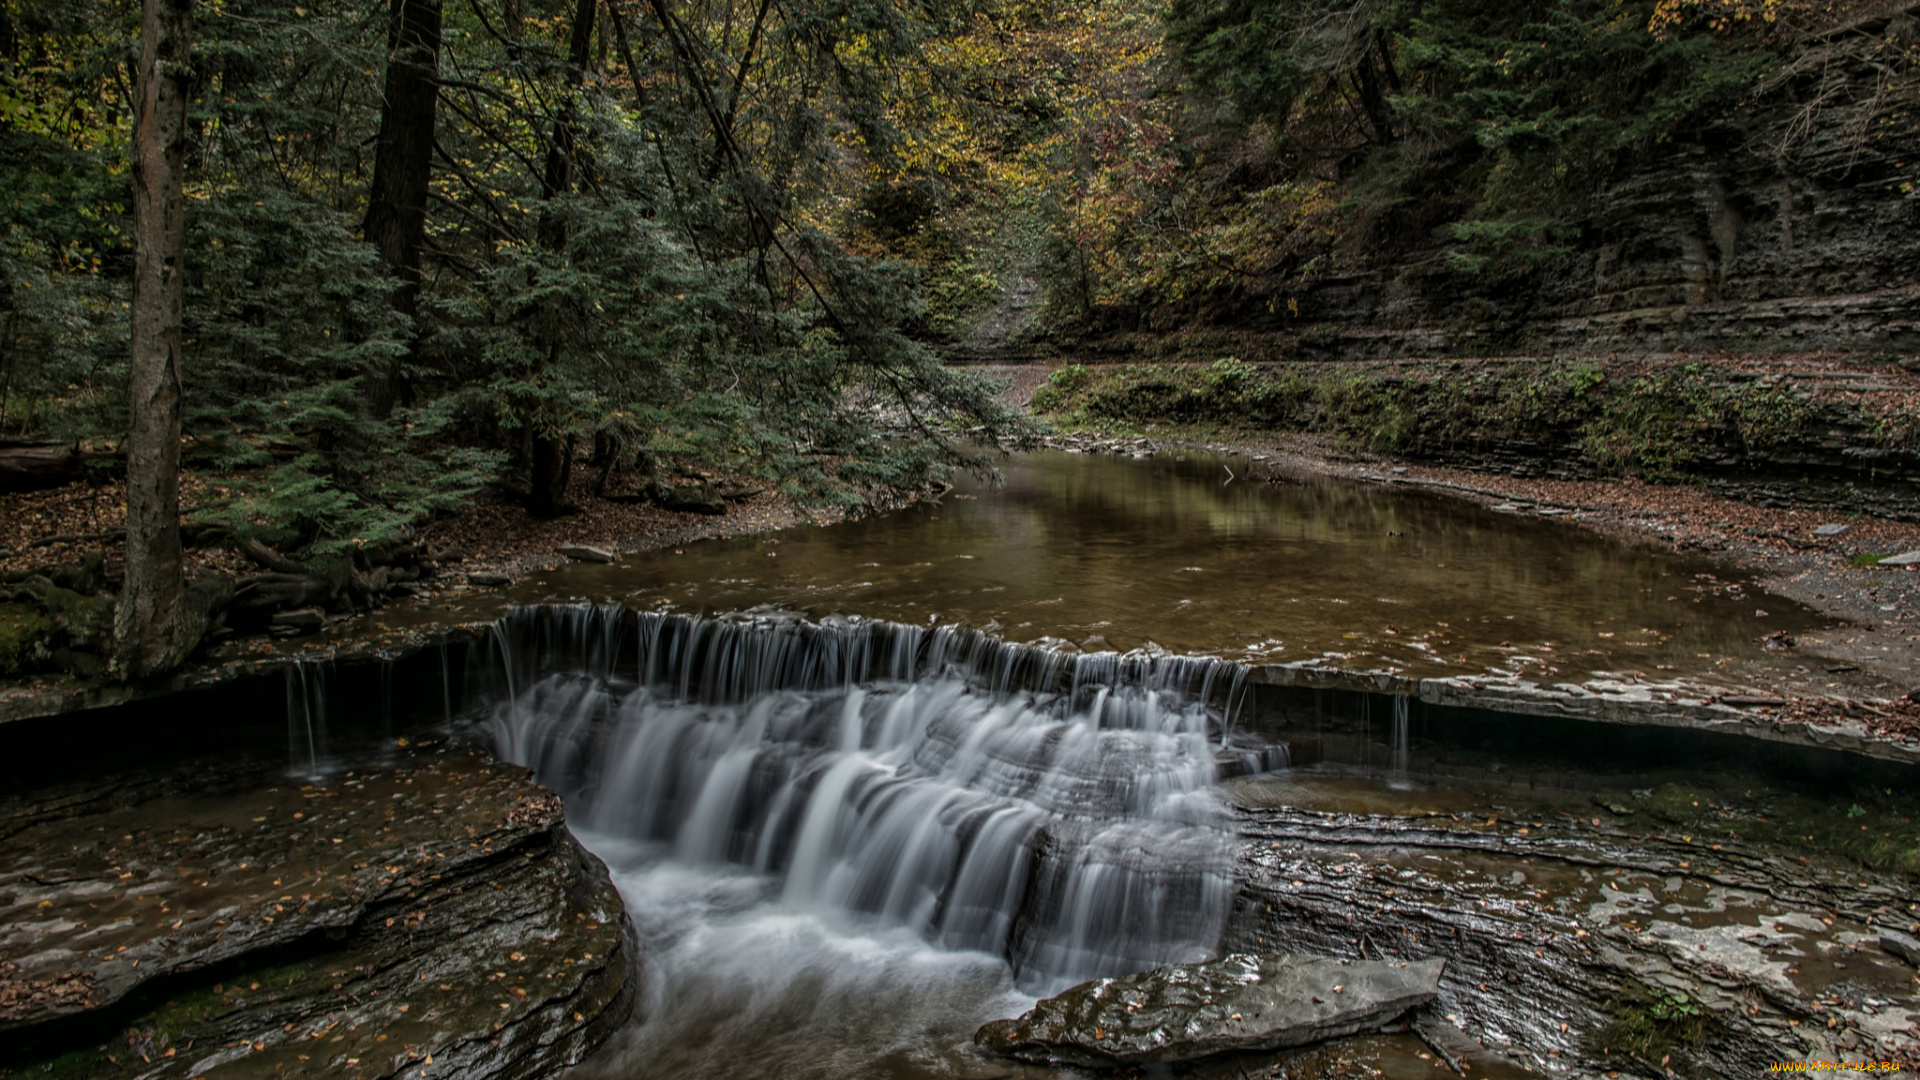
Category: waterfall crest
[1052,808]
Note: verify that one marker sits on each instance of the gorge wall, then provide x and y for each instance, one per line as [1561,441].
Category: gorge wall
[1789,223]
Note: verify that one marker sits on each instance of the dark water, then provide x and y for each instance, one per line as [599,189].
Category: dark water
[1114,553]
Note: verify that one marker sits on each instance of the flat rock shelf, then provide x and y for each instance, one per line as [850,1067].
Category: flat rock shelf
[431,916]
[1239,1002]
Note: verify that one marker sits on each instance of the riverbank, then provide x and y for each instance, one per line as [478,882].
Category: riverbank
[60,561]
[1825,559]
[1837,678]
[492,535]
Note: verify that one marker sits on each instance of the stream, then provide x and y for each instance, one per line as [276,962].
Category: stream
[867,786]
[1201,553]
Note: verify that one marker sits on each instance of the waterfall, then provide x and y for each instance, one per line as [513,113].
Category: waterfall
[1051,808]
[1402,744]
[307,743]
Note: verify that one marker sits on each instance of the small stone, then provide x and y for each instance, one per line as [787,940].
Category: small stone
[1831,530]
[1905,558]
[584,553]
[487,579]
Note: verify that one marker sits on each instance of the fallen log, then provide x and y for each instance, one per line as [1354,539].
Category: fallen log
[33,466]
[269,558]
[255,599]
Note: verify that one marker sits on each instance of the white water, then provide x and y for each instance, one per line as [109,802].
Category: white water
[819,821]
[739,986]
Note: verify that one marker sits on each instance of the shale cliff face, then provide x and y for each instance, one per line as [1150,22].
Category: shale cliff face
[1790,224]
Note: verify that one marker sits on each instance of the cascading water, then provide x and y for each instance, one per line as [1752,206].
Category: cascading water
[1049,808]
[307,736]
[1402,744]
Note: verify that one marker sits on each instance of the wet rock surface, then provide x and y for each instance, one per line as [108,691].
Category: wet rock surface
[1579,942]
[1240,1002]
[427,917]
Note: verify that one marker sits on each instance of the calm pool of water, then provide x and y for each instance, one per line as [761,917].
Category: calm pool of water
[1115,553]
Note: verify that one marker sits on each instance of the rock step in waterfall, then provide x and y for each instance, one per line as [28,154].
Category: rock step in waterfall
[1055,809]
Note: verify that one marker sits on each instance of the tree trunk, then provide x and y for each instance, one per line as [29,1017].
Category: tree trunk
[548,472]
[551,462]
[560,170]
[396,222]
[153,631]
[1373,98]
[513,18]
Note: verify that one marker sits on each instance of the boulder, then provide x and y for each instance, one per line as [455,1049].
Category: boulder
[583,553]
[688,499]
[1237,1003]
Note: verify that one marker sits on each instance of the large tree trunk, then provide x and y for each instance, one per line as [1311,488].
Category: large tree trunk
[403,162]
[560,170]
[552,457]
[153,631]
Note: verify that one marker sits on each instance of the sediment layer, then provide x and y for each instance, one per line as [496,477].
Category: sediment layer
[428,917]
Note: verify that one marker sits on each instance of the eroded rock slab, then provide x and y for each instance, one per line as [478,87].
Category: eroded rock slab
[1562,930]
[1240,1002]
[435,912]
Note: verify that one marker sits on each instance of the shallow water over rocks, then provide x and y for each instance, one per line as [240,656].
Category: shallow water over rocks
[847,842]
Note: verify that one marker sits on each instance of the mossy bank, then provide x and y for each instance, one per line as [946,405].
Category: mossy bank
[1812,432]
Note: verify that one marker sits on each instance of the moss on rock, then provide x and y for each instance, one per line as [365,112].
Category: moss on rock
[25,644]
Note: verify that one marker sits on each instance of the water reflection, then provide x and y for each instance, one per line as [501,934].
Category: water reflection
[1114,553]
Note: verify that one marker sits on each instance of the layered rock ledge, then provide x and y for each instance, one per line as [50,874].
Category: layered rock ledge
[1240,1002]
[429,917]
[1589,943]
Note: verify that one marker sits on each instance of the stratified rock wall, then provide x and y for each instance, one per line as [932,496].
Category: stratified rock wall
[435,914]
[1791,224]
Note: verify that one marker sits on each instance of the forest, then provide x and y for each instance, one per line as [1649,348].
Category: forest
[931,539]
[428,248]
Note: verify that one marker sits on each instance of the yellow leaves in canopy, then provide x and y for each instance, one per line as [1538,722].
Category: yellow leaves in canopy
[1722,15]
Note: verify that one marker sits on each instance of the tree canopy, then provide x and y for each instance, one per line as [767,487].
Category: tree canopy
[435,244]
[630,241]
